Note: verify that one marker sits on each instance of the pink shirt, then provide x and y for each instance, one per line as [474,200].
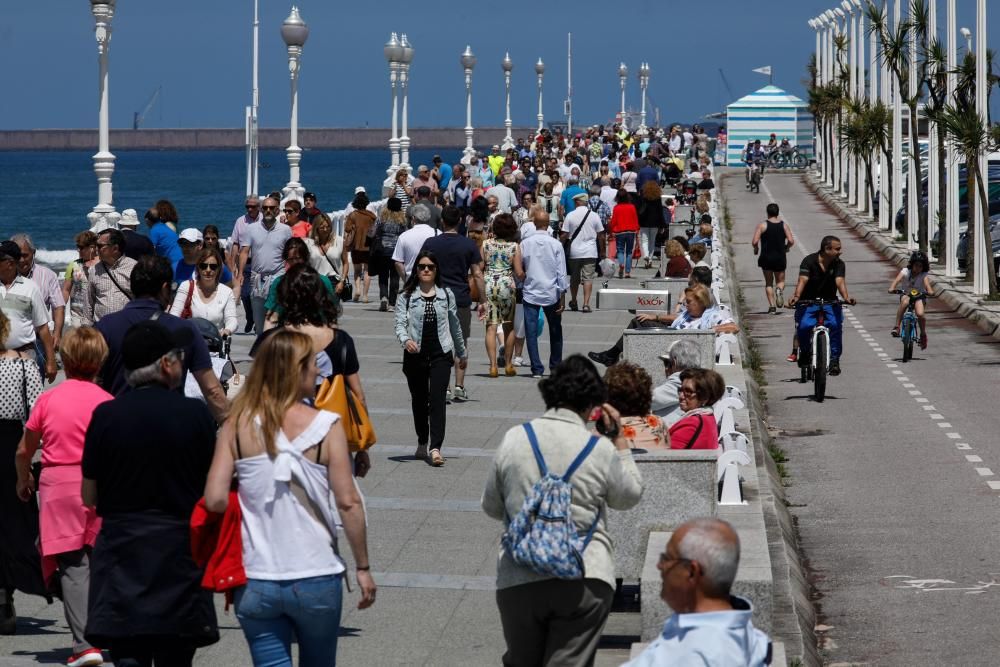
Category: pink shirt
[61,415]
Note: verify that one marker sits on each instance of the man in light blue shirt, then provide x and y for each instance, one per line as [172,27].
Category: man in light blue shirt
[709,626]
[541,266]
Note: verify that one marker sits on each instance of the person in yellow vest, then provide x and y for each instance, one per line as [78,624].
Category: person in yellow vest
[495,160]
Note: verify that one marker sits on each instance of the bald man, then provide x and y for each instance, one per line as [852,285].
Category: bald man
[710,626]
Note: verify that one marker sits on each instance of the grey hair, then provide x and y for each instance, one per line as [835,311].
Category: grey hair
[25,239]
[684,354]
[148,374]
[572,180]
[708,541]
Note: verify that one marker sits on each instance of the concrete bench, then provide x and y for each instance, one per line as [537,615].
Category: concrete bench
[678,484]
[675,286]
[633,299]
[644,347]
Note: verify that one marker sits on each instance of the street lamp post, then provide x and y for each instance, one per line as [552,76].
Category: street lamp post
[468,60]
[103,214]
[540,70]
[951,168]
[967,34]
[817,82]
[897,133]
[933,167]
[984,256]
[406,57]
[862,190]
[913,142]
[295,32]
[393,52]
[852,63]
[643,84]
[508,66]
[623,75]
[842,164]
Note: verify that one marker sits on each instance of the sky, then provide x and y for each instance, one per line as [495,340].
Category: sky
[198,51]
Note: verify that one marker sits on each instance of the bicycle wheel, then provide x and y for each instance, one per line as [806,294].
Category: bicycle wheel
[907,336]
[774,161]
[819,375]
[800,161]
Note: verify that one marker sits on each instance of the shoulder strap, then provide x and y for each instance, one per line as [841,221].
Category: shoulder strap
[111,275]
[533,440]
[578,461]
[697,432]
[577,231]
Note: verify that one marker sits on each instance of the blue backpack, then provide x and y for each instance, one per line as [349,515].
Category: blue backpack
[542,536]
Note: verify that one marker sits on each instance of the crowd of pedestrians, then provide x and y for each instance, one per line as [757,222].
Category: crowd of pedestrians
[247,498]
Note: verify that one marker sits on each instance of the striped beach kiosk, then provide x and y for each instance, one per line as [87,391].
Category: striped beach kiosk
[768,110]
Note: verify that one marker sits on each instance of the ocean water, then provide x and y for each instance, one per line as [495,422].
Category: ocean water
[48,194]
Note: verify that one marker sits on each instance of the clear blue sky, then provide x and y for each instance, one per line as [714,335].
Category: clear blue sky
[199,51]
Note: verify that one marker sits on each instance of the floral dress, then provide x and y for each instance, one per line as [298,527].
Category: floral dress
[500,288]
[647,432]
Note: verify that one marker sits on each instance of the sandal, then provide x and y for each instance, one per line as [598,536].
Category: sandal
[510,371]
[585,309]
[572,305]
[494,372]
[895,332]
[435,458]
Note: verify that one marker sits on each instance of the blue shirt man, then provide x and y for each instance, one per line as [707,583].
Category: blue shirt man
[647,174]
[444,173]
[566,198]
[543,271]
[164,239]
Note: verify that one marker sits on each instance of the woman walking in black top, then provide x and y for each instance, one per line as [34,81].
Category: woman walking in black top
[772,240]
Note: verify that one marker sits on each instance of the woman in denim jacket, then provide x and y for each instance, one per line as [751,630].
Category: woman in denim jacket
[428,329]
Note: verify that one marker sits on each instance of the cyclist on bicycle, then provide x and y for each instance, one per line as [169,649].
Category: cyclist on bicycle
[914,277]
[754,154]
[822,275]
[771,144]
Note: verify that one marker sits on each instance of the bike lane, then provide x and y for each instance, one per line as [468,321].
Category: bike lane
[894,479]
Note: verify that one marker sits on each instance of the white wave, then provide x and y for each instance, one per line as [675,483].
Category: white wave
[55,259]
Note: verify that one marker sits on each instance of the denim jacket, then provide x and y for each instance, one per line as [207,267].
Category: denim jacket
[410,320]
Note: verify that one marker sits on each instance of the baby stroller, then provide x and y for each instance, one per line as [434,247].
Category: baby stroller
[687,193]
[218,349]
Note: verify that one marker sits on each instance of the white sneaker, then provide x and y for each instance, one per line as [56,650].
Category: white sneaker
[517,361]
[92,656]
[447,396]
[460,395]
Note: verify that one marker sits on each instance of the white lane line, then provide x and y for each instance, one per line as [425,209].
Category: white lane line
[962,445]
[908,385]
[993,484]
[953,436]
[927,407]
[944,424]
[935,417]
[892,365]
[902,378]
[897,372]
[920,400]
[877,349]
[916,392]
[972,458]
[984,472]
[883,355]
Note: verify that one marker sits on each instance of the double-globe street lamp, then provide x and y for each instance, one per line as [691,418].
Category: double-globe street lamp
[103,214]
[540,70]
[399,54]
[643,85]
[623,76]
[468,61]
[294,32]
[508,66]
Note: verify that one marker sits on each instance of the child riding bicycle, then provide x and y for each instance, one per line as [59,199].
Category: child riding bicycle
[914,277]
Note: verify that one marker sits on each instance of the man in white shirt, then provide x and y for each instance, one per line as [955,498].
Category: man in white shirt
[409,245]
[609,192]
[585,231]
[239,238]
[541,267]
[506,198]
[22,303]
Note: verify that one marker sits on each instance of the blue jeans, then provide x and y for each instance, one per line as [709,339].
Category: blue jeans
[270,611]
[625,246]
[805,317]
[531,334]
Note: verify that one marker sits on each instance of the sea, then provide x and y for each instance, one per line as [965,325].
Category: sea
[49,193]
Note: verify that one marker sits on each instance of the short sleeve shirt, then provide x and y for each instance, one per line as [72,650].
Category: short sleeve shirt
[822,283]
[24,306]
[585,244]
[266,246]
[455,255]
[61,416]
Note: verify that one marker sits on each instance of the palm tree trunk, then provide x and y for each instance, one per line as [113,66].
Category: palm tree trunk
[869,183]
[941,222]
[971,169]
[987,244]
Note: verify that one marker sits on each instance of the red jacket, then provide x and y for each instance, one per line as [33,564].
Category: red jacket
[217,546]
[685,433]
[624,219]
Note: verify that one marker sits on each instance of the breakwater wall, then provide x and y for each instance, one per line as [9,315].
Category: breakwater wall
[232,138]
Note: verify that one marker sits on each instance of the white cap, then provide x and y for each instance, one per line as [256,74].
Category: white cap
[129,218]
[359,189]
[191,235]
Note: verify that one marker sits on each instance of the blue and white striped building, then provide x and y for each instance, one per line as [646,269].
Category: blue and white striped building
[768,110]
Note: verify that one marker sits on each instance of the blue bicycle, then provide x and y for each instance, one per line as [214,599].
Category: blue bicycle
[909,331]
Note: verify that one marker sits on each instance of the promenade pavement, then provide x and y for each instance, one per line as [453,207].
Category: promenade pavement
[433,551]
[893,481]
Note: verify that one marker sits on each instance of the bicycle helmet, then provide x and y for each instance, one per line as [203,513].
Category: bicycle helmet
[921,257]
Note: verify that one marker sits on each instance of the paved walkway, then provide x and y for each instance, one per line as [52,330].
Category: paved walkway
[432,549]
[895,479]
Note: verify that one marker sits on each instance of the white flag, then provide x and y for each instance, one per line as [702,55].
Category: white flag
[764,70]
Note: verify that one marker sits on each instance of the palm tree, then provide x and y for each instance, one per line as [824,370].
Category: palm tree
[971,135]
[865,134]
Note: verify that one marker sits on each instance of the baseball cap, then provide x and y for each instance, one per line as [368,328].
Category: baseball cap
[191,235]
[129,218]
[10,249]
[358,190]
[148,340]
[309,195]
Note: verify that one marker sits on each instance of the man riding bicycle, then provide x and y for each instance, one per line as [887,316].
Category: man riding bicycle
[753,154]
[822,275]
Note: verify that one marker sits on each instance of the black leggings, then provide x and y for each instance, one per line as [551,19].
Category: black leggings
[428,379]
[388,278]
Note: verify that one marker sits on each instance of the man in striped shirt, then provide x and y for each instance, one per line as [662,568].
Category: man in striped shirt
[108,281]
[48,285]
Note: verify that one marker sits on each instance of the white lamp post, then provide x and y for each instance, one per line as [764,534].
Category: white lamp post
[104,214]
[643,84]
[814,24]
[406,57]
[295,32]
[508,66]
[468,60]
[852,175]
[842,164]
[885,212]
[932,147]
[968,39]
[897,134]
[913,142]
[623,75]
[540,70]
[859,94]
[984,256]
[393,52]
[951,168]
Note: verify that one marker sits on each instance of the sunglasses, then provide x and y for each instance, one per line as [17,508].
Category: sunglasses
[252,206]
[426,267]
[208,266]
[270,208]
[289,211]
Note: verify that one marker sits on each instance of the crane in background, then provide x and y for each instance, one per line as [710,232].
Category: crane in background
[139,116]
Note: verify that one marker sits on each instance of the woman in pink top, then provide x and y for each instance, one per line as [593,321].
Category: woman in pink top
[67,528]
[700,389]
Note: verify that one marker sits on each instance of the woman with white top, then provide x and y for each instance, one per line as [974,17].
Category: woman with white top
[326,251]
[295,491]
[204,297]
